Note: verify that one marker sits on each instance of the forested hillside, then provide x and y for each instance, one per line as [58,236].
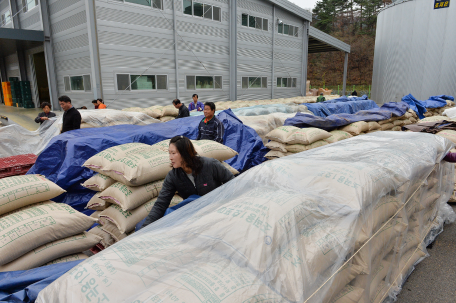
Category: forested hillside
[353,22]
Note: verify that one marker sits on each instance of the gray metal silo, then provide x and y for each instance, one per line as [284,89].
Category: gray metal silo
[415,51]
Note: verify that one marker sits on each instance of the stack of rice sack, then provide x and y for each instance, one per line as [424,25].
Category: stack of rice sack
[110,117]
[393,237]
[337,224]
[288,140]
[35,230]
[163,113]
[450,135]
[396,123]
[439,110]
[129,180]
[169,112]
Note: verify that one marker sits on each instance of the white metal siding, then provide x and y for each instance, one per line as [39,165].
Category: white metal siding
[70,43]
[135,38]
[31,20]
[12,66]
[414,52]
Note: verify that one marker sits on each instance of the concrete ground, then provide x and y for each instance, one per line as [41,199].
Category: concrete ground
[434,279]
[22,116]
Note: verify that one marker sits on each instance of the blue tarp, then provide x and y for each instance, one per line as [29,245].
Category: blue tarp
[437,101]
[62,160]
[420,106]
[388,110]
[346,98]
[415,105]
[24,285]
[324,109]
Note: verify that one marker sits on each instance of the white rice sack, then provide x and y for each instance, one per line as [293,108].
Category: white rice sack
[51,251]
[36,225]
[131,197]
[133,164]
[20,191]
[98,182]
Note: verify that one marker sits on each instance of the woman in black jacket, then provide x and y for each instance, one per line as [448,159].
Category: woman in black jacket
[191,175]
[46,114]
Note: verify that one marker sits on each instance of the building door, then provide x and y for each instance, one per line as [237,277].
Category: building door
[41,78]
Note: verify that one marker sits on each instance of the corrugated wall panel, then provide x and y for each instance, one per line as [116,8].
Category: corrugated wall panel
[133,39]
[414,52]
[71,52]
[31,20]
[4,4]
[12,66]
[30,69]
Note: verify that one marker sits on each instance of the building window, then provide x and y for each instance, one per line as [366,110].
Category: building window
[141,82]
[202,10]
[287,29]
[254,82]
[5,18]
[28,5]
[286,82]
[254,22]
[204,82]
[77,83]
[152,3]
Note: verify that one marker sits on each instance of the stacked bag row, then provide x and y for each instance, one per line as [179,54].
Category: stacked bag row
[36,231]
[288,140]
[396,123]
[394,237]
[439,110]
[310,228]
[169,112]
[163,113]
[128,181]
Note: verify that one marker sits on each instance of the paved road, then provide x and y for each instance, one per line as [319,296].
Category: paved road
[434,279]
[22,116]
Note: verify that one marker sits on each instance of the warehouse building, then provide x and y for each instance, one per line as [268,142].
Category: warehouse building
[147,52]
[415,51]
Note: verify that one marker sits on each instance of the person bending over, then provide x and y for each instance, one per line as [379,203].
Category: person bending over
[191,175]
[46,114]
[183,110]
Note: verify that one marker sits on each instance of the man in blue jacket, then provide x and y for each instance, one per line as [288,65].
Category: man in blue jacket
[210,128]
[199,106]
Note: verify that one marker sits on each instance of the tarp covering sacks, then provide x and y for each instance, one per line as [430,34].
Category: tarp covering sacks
[12,137]
[296,229]
[261,110]
[387,111]
[348,107]
[347,98]
[24,285]
[415,105]
[62,160]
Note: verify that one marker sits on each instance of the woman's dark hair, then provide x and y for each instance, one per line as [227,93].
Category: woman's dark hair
[101,100]
[188,153]
[44,104]
[94,101]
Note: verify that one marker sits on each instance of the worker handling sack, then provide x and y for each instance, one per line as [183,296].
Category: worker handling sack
[191,175]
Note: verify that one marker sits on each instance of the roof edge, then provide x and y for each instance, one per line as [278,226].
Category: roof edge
[293,8]
[328,39]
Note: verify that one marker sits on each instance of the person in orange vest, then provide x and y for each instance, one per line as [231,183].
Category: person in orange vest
[100,104]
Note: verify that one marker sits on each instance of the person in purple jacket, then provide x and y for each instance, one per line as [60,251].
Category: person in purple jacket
[199,106]
[450,157]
